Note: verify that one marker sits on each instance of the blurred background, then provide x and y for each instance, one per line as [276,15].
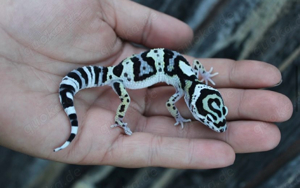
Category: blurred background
[267,30]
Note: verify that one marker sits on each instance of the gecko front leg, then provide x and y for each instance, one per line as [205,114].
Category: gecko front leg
[173,109]
[125,101]
[206,75]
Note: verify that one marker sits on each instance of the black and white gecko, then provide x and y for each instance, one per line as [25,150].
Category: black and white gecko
[141,71]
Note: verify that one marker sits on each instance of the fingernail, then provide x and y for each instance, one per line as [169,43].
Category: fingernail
[278,83]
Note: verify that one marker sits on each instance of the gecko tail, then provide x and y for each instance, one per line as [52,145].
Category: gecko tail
[71,137]
[66,98]
[74,131]
[74,81]
[62,147]
[67,91]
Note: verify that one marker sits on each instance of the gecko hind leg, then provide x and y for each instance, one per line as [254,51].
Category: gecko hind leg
[170,104]
[119,88]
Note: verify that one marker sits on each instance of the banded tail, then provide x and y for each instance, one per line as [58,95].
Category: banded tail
[81,78]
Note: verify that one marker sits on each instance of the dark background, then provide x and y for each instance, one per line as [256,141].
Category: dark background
[266,30]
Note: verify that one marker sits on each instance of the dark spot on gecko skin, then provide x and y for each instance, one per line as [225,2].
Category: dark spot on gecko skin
[74,123]
[117,88]
[129,79]
[104,74]
[122,108]
[72,116]
[110,77]
[126,95]
[155,51]
[174,108]
[159,70]
[76,77]
[209,119]
[66,88]
[137,66]
[72,136]
[117,70]
[97,71]
[125,74]
[120,116]
[90,71]
[83,75]
[128,100]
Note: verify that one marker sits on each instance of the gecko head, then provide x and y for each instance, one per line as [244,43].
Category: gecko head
[207,106]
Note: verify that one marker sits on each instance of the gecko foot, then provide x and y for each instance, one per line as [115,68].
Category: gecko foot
[181,120]
[206,76]
[123,126]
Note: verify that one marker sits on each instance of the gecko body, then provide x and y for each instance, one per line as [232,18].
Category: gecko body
[141,71]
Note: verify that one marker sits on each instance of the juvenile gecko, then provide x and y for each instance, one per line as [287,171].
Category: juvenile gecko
[141,71]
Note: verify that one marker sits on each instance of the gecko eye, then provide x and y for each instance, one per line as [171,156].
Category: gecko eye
[225,111]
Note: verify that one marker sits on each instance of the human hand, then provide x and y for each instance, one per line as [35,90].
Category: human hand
[42,42]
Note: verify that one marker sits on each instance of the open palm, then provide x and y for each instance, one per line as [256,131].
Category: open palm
[41,42]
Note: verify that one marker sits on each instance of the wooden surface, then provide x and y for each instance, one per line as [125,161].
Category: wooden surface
[267,30]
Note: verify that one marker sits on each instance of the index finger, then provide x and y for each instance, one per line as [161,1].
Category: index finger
[140,24]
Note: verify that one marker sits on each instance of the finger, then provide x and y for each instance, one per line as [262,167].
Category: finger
[260,105]
[140,24]
[144,149]
[251,136]
[242,136]
[242,74]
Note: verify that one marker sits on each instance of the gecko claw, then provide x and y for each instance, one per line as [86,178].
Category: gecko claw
[206,76]
[181,120]
[114,125]
[127,130]
[123,126]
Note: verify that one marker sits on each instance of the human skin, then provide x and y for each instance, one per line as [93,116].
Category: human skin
[42,41]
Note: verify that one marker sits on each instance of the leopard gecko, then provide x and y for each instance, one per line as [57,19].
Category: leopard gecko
[141,71]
